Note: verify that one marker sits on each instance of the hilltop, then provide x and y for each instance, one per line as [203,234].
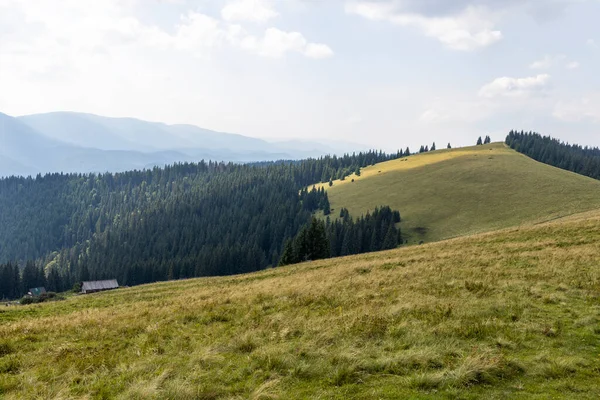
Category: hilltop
[510,314]
[450,193]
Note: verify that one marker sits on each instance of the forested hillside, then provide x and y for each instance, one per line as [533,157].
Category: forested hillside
[181,221]
[572,157]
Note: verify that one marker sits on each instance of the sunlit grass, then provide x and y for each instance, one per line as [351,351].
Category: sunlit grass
[512,314]
[450,193]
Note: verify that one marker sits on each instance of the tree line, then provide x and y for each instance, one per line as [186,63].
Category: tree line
[571,157]
[15,282]
[179,221]
[344,236]
[481,142]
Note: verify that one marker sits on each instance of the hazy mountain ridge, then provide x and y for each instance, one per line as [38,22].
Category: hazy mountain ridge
[107,133]
[77,142]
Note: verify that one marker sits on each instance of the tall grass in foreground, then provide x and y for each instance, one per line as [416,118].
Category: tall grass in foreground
[513,314]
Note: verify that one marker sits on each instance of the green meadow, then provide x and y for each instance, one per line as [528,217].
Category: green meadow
[510,314]
[450,193]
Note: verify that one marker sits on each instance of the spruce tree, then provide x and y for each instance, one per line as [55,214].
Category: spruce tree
[479,141]
[319,244]
[449,147]
[326,206]
[391,238]
[54,282]
[84,274]
[30,276]
[433,147]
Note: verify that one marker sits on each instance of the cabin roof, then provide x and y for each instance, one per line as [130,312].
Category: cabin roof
[100,285]
[37,291]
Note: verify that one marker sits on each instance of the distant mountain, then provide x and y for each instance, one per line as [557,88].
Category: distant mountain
[76,142]
[25,151]
[105,133]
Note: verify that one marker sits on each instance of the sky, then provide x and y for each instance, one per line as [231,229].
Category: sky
[385,73]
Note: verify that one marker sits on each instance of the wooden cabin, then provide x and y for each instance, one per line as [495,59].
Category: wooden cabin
[37,292]
[99,286]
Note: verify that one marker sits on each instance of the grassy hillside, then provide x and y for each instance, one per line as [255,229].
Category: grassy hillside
[450,193]
[510,314]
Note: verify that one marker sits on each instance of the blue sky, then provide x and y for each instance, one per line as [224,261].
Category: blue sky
[387,73]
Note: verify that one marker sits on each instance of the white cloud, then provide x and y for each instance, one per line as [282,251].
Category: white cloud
[515,87]
[69,32]
[318,50]
[464,110]
[248,10]
[469,29]
[586,108]
[551,61]
[547,62]
[199,33]
[275,43]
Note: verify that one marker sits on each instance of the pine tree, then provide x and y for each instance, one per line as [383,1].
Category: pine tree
[346,244]
[449,147]
[17,283]
[40,280]
[433,147]
[326,206]
[479,141]
[487,140]
[54,283]
[391,238]
[84,274]
[319,244]
[30,276]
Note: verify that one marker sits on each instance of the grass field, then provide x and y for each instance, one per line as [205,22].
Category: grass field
[450,193]
[511,314]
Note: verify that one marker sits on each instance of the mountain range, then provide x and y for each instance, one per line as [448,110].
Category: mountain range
[78,142]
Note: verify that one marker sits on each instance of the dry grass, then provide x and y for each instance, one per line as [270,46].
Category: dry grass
[511,314]
[452,193]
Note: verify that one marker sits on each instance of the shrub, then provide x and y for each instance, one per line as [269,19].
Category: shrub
[49,296]
[28,300]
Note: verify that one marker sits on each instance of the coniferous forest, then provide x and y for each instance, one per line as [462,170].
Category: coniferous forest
[180,221]
[571,157]
[344,236]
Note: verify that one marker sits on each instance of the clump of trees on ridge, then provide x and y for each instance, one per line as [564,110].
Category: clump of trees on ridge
[571,157]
